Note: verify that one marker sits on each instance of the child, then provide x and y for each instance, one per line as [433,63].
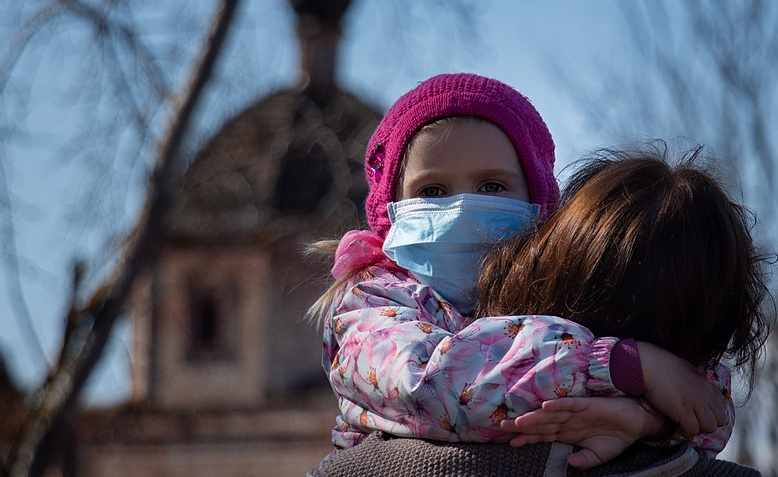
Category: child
[457,164]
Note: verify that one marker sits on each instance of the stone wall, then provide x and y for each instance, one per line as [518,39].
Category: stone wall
[236,459]
[225,444]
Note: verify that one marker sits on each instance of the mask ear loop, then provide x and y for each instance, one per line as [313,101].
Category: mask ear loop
[391,212]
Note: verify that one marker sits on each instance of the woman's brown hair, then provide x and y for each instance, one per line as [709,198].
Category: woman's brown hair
[642,249]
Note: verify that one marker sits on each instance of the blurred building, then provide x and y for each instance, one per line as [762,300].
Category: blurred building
[226,376]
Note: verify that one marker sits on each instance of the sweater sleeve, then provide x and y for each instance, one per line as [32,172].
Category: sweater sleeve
[402,360]
[626,369]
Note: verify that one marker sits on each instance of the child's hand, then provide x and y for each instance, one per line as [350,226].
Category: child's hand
[603,427]
[681,392]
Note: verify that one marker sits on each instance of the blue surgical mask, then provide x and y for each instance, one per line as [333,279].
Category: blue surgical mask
[443,240]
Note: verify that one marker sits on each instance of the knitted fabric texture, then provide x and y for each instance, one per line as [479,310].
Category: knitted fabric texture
[381,455]
[451,95]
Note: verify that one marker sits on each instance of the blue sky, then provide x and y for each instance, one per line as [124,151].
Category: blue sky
[527,44]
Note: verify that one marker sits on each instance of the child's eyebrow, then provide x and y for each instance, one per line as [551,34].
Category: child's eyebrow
[497,172]
[436,175]
[429,175]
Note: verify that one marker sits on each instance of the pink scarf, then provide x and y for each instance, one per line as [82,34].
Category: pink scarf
[358,249]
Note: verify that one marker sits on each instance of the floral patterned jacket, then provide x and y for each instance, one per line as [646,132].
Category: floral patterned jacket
[401,359]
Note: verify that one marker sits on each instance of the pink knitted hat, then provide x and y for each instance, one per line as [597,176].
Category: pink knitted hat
[459,95]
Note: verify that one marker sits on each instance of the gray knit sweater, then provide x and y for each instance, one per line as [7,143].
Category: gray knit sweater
[381,455]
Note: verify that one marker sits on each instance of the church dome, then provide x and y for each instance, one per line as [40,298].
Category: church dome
[289,161]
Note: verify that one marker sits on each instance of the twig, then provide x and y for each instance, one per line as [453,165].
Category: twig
[19,44]
[102,22]
[73,318]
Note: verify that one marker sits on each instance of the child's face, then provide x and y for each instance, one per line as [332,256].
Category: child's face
[463,157]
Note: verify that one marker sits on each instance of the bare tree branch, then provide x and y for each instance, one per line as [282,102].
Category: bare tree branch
[124,67]
[101,22]
[73,318]
[60,395]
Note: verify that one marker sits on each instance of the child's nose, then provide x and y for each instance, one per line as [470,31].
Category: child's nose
[462,188]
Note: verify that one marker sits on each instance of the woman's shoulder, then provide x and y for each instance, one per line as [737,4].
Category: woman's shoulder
[381,455]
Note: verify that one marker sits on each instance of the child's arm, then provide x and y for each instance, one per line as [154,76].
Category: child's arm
[604,427]
[714,442]
[403,363]
[696,401]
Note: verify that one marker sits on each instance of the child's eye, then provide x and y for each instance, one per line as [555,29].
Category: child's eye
[432,191]
[491,188]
